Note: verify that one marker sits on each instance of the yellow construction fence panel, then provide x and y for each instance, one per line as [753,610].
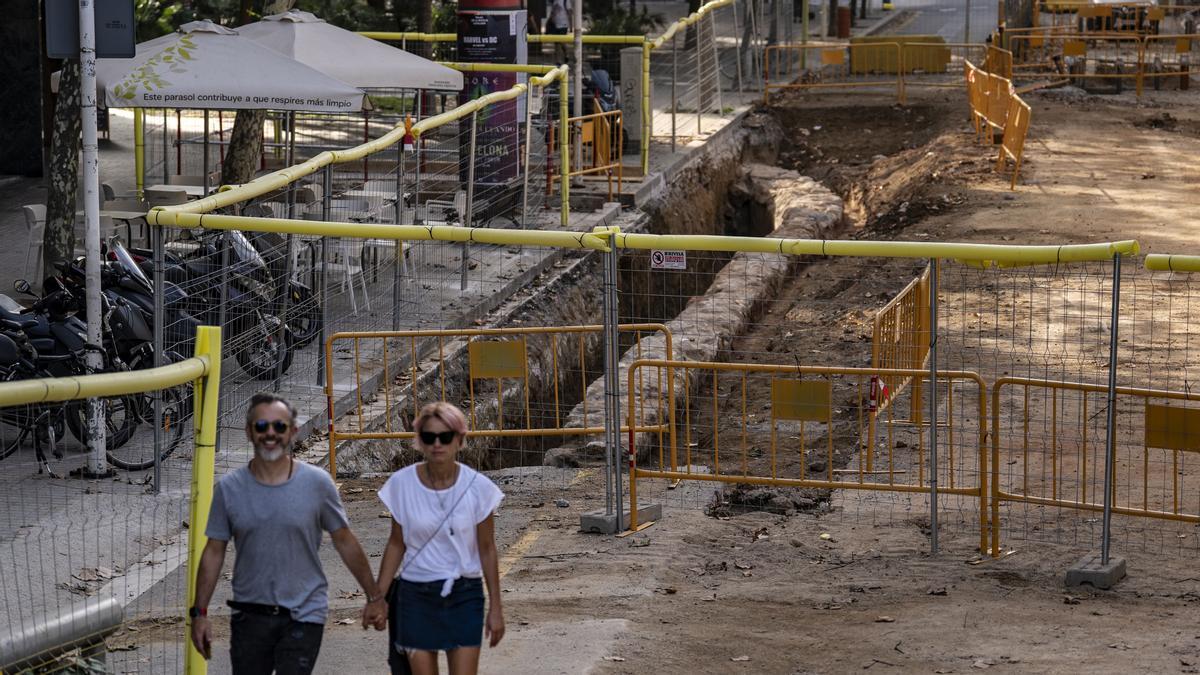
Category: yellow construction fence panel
[1172,427]
[1183,45]
[497,358]
[1074,48]
[833,57]
[804,401]
[1156,14]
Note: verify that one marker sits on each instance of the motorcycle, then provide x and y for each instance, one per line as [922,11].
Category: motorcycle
[192,297]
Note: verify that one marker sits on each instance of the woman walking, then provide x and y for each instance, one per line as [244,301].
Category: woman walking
[442,542]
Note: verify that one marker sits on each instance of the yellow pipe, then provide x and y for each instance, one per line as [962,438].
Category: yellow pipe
[57,389]
[589,39]
[1173,263]
[647,113]
[689,20]
[483,235]
[415,37]
[206,391]
[497,67]
[564,152]
[983,254]
[139,150]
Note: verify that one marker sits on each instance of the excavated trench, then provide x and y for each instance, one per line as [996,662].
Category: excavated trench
[748,181]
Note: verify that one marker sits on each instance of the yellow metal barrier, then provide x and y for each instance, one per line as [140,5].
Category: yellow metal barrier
[998,62]
[900,340]
[602,141]
[938,64]
[204,372]
[817,414]
[1170,59]
[1016,129]
[1058,468]
[494,356]
[1082,57]
[833,66]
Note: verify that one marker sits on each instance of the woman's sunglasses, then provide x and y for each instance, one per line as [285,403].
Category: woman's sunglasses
[261,426]
[445,437]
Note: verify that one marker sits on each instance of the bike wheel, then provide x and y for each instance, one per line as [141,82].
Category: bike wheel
[304,317]
[266,354]
[139,453]
[15,425]
[121,420]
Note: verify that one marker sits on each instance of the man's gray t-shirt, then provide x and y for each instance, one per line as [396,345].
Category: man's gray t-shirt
[277,530]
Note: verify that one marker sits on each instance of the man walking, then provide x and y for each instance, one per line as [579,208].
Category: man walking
[275,509]
[560,21]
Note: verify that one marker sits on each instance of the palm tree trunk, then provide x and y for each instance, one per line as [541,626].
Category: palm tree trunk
[58,241]
[245,147]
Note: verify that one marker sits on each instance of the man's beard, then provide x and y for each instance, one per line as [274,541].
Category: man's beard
[271,455]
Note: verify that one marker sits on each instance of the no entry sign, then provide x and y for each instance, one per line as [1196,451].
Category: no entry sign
[668,260]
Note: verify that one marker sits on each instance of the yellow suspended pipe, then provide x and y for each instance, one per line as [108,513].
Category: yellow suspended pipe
[139,150]
[497,67]
[979,253]
[415,37]
[278,180]
[206,391]
[564,149]
[101,385]
[688,20]
[316,228]
[1173,263]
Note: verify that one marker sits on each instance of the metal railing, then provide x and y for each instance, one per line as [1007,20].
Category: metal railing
[601,140]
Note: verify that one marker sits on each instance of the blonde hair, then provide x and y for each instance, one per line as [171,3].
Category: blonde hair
[446,413]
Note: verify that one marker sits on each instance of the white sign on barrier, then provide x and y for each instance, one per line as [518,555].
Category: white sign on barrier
[668,260]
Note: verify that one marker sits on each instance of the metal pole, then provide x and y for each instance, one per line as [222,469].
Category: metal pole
[96,463]
[166,143]
[222,309]
[399,250]
[1110,430]
[933,407]
[674,79]
[740,47]
[326,189]
[612,393]
[291,160]
[468,216]
[204,180]
[284,308]
[156,234]
[712,30]
[967,23]
[804,33]
[697,83]
[525,173]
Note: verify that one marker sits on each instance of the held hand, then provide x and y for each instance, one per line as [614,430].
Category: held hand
[202,636]
[374,614]
[494,626]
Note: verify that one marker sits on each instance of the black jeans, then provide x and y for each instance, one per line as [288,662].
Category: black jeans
[261,645]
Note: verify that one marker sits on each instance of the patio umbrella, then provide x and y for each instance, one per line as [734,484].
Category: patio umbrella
[348,56]
[207,66]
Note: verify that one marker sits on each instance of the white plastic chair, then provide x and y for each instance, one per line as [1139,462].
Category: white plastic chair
[346,262]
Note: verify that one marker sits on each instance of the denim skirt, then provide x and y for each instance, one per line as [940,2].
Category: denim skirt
[424,620]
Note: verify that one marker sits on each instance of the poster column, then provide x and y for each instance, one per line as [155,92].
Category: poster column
[494,31]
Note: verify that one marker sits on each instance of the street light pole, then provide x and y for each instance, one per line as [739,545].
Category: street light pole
[96,462]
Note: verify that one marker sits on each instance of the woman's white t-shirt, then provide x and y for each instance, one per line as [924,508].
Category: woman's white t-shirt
[439,525]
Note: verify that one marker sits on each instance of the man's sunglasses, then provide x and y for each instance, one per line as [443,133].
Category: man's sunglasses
[261,426]
[446,437]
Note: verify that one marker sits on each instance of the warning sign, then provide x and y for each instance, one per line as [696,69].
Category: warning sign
[668,260]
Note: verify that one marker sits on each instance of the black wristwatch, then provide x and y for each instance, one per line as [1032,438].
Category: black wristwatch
[194,612]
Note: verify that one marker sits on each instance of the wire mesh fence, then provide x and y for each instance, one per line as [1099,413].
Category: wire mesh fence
[95,564]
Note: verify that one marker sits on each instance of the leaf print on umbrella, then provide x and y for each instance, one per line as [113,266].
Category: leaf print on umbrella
[147,77]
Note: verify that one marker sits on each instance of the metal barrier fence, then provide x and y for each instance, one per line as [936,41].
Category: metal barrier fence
[873,65]
[1012,145]
[1084,59]
[996,108]
[601,138]
[548,370]
[813,431]
[900,340]
[1049,448]
[1141,18]
[85,562]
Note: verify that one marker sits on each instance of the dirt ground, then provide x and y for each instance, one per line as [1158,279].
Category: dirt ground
[762,592]
[838,583]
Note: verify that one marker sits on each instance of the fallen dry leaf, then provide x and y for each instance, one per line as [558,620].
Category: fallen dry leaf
[743,657]
[884,619]
[345,622]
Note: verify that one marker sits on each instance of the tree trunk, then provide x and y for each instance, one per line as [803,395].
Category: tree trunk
[245,147]
[58,241]
[245,141]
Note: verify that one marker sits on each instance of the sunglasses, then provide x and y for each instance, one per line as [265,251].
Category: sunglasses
[445,437]
[261,426]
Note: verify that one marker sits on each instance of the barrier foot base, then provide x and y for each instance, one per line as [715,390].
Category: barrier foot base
[606,523]
[640,527]
[1089,570]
